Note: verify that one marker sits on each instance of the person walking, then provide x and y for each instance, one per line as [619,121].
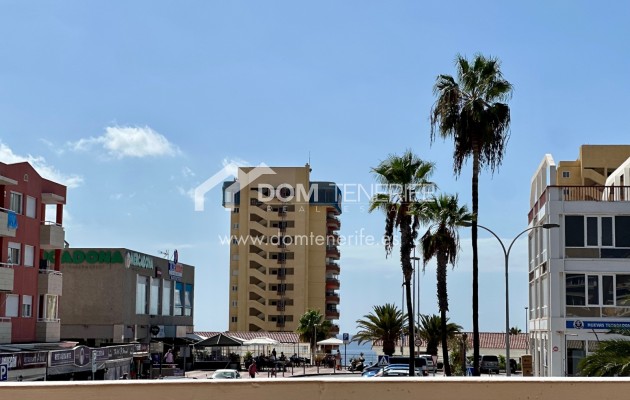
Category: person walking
[252,370]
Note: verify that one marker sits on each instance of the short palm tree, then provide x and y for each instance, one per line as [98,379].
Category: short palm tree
[403,177]
[515,330]
[612,358]
[443,215]
[385,323]
[430,330]
[472,111]
[307,325]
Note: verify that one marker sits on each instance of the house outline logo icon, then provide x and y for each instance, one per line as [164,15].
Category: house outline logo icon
[225,173]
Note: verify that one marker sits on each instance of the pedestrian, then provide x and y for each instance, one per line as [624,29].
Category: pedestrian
[252,370]
[169,358]
[338,360]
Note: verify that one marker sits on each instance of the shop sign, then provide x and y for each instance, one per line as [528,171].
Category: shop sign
[82,356]
[61,357]
[175,271]
[134,259]
[86,257]
[579,324]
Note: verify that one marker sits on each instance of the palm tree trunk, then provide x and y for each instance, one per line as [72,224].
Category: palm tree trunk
[406,245]
[443,305]
[475,262]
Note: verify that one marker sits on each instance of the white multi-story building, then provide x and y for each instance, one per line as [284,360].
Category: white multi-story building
[579,274]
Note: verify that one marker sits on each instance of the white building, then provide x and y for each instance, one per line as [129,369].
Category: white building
[579,274]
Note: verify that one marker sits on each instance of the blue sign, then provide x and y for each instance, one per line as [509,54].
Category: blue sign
[4,372]
[346,338]
[383,361]
[579,324]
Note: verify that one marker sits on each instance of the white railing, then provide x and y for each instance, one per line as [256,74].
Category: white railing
[5,319]
[51,223]
[49,320]
[6,265]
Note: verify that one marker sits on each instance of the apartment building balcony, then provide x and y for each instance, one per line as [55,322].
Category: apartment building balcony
[332,283]
[47,330]
[280,324]
[332,252]
[6,277]
[332,314]
[51,236]
[332,267]
[5,330]
[49,282]
[332,298]
[8,224]
[333,223]
[334,329]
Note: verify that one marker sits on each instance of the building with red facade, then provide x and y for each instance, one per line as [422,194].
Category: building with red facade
[31,222]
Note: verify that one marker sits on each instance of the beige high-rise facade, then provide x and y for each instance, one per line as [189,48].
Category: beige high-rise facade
[283,249]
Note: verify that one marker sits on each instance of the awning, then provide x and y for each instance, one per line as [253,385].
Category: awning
[218,341]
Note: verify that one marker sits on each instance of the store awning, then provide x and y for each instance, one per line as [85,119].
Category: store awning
[219,340]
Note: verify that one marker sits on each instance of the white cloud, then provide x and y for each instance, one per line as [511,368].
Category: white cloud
[129,141]
[187,172]
[41,166]
[116,196]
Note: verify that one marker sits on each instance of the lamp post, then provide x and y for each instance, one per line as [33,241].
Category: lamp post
[506,253]
[416,303]
[526,335]
[315,346]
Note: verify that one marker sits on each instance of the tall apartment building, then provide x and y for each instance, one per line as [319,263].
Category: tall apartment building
[579,275]
[29,286]
[283,252]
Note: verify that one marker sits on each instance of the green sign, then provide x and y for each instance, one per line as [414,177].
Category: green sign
[87,257]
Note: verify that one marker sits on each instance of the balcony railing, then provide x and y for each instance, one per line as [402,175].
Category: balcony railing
[52,236]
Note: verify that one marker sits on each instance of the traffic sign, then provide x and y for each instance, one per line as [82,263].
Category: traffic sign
[418,342]
[383,361]
[4,372]
[346,338]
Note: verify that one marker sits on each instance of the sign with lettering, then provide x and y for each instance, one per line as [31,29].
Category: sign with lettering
[61,357]
[175,271]
[133,259]
[86,257]
[579,324]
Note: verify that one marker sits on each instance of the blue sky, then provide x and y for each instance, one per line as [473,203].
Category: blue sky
[133,104]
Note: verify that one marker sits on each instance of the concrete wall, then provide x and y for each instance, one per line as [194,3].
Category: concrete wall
[329,389]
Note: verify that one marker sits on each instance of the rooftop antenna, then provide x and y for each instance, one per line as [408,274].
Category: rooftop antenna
[166,254]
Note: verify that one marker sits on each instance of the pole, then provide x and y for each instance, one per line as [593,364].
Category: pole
[402,301]
[526,335]
[314,347]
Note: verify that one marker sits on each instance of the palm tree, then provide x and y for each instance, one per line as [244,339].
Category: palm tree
[515,330]
[612,358]
[385,323]
[443,216]
[403,176]
[472,111]
[430,330]
[307,325]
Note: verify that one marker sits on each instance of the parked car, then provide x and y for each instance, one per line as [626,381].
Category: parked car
[226,374]
[431,367]
[489,364]
[396,370]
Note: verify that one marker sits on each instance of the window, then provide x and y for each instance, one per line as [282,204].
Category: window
[141,294]
[31,209]
[622,227]
[235,211]
[188,299]
[235,226]
[27,306]
[608,290]
[234,288]
[14,253]
[234,241]
[154,296]
[234,303]
[16,202]
[593,290]
[234,319]
[11,305]
[166,297]
[48,307]
[566,174]
[178,303]
[623,291]
[234,257]
[29,255]
[575,290]
[574,231]
[591,231]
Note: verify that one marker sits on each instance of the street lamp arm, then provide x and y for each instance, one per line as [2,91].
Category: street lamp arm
[505,253]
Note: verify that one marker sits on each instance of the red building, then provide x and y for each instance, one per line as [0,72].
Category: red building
[31,216]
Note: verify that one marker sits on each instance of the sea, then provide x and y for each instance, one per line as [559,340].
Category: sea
[353,349]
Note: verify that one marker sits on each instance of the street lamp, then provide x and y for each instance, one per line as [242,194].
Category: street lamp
[506,253]
[315,346]
[526,335]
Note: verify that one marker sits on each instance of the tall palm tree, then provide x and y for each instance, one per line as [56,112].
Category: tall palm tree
[443,215]
[430,330]
[307,325]
[385,323]
[472,110]
[403,176]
